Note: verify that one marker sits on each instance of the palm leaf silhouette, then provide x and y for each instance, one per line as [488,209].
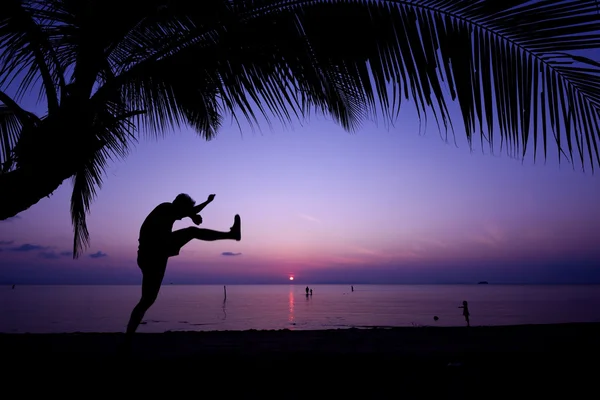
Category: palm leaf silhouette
[516,68]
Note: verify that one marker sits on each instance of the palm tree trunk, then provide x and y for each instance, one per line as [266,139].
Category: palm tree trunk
[24,187]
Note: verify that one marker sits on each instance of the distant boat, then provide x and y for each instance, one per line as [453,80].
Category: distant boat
[483,283]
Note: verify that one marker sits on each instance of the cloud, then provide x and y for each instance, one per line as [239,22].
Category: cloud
[309,218]
[98,254]
[28,247]
[44,251]
[229,253]
[492,235]
[53,255]
[49,255]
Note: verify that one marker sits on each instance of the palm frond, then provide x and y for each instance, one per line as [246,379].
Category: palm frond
[503,61]
[13,119]
[25,117]
[510,65]
[113,133]
[228,76]
[84,191]
[10,128]
[26,51]
[516,69]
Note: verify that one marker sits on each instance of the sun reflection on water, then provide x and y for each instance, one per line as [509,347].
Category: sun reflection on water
[291,317]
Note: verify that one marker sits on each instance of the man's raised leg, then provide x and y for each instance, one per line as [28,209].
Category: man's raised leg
[183,236]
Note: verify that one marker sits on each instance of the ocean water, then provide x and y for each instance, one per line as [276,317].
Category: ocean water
[48,309]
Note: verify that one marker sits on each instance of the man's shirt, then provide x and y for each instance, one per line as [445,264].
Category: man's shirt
[155,232]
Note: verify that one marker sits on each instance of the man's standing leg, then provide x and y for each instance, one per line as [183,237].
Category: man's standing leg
[153,273]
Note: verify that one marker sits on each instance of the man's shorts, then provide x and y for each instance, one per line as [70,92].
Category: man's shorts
[152,261]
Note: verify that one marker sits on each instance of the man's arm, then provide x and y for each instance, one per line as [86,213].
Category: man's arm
[200,207]
[195,216]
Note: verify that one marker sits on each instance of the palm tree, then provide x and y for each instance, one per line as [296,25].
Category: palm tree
[106,68]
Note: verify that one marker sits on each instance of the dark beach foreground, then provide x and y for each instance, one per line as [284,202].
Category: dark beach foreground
[477,362]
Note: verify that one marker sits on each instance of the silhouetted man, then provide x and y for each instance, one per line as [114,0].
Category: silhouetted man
[158,242]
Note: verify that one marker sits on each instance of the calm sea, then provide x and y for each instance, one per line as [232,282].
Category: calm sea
[41,309]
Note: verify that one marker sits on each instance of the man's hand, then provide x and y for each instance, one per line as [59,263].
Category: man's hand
[197,219]
[201,206]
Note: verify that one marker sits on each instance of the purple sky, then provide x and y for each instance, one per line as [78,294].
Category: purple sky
[383,205]
[323,205]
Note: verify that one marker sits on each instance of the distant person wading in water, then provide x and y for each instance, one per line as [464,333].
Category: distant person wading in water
[466,313]
[158,242]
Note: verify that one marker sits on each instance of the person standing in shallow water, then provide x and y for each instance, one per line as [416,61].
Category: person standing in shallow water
[466,313]
[158,242]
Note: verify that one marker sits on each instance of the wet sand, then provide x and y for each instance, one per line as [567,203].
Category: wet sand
[345,362]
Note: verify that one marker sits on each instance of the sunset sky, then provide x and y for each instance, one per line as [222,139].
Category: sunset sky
[323,205]
[382,205]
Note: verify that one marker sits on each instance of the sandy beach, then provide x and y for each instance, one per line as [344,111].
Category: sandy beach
[529,357]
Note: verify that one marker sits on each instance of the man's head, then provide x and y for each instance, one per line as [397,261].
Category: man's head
[184,205]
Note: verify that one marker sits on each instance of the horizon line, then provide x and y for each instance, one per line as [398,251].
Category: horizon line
[313,283]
